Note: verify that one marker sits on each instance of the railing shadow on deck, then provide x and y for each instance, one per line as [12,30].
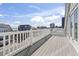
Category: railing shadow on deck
[31,49]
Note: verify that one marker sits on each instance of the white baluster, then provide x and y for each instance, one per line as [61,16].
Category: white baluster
[23,39]
[13,42]
[9,43]
[17,40]
[4,49]
[20,39]
[32,38]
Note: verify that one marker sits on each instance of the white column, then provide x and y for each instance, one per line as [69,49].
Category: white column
[78,23]
[73,27]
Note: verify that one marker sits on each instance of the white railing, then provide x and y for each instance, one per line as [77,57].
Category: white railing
[14,42]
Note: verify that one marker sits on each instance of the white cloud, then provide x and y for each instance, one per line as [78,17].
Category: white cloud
[51,18]
[37,19]
[59,10]
[46,17]
[34,6]
[17,22]
[13,24]
[45,21]
[1,15]
[4,15]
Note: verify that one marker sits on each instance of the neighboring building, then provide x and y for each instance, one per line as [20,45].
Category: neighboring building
[52,25]
[41,27]
[5,28]
[72,21]
[24,27]
[63,20]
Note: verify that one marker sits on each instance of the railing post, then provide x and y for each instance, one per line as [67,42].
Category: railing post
[4,45]
[31,35]
[26,39]
[13,43]
[20,39]
[9,42]
[17,40]
[23,39]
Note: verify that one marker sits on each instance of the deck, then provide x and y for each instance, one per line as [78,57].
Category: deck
[57,45]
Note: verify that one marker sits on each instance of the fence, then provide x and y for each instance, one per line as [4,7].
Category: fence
[13,42]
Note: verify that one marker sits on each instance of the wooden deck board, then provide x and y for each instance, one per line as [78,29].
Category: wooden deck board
[56,46]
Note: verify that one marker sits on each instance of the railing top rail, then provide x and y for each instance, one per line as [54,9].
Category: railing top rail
[16,32]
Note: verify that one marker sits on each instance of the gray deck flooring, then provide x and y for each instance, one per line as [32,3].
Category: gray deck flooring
[57,45]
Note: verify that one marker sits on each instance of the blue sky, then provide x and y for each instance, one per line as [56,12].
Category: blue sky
[35,14]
